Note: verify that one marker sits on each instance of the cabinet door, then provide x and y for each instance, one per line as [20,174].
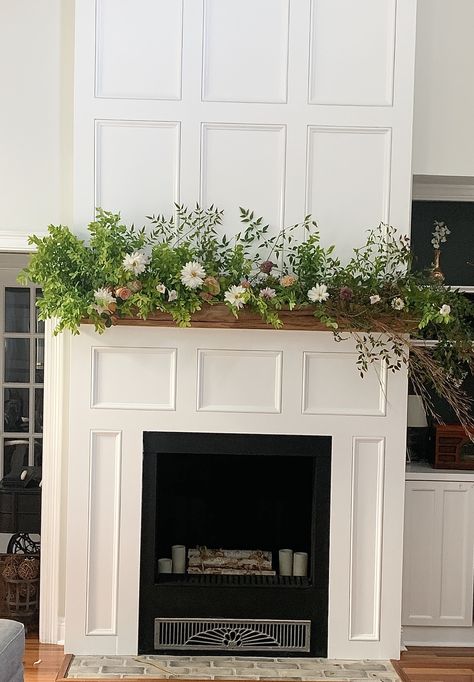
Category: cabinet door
[438,553]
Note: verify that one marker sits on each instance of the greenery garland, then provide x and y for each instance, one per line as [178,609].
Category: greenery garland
[185,262]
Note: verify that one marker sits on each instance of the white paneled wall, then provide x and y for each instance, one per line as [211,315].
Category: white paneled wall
[285,107]
[232,381]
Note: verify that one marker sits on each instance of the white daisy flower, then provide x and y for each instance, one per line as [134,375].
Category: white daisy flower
[318,293]
[135,262]
[172,295]
[192,275]
[160,288]
[398,304]
[235,296]
[267,293]
[445,310]
[374,299]
[103,298]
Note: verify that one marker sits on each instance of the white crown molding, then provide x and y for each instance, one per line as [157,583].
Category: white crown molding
[442,188]
[17,241]
[52,508]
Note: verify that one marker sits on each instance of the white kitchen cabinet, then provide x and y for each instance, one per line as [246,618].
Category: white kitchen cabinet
[438,566]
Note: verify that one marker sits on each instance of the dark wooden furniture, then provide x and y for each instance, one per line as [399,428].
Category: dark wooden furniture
[20,510]
[453,448]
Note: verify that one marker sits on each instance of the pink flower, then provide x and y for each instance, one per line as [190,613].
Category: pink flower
[288,280]
[123,292]
[267,293]
[245,284]
[266,267]
[345,293]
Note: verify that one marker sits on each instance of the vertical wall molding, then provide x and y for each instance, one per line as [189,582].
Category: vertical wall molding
[367,499]
[99,471]
[55,430]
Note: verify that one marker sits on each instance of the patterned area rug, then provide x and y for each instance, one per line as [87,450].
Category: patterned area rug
[226,668]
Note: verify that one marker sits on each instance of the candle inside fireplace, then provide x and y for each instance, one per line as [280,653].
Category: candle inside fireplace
[300,563]
[178,552]
[165,565]
[285,558]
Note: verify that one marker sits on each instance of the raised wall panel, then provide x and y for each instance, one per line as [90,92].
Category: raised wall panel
[456,556]
[245,56]
[332,385]
[239,381]
[421,556]
[352,52]
[137,167]
[366,538]
[138,49]
[228,152]
[133,378]
[103,532]
[348,168]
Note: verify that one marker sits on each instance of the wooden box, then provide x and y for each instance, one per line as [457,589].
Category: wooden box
[453,448]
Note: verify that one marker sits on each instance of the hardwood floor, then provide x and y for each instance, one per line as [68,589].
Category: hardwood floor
[418,664]
[433,664]
[50,657]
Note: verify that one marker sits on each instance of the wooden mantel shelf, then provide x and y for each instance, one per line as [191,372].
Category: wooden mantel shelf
[220,317]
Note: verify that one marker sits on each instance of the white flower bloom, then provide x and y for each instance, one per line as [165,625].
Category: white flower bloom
[318,293]
[267,293]
[172,295]
[374,299]
[192,275]
[398,303]
[103,298]
[135,262]
[439,233]
[160,288]
[445,310]
[235,296]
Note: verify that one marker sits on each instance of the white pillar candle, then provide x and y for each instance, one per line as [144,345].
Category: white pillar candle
[300,563]
[165,565]
[178,552]
[285,560]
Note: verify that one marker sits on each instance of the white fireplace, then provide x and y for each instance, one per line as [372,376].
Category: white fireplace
[136,379]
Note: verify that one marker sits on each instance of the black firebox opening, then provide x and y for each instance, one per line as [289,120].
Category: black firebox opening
[235,491]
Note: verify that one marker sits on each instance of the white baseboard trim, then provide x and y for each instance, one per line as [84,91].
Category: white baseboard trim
[437,636]
[61,630]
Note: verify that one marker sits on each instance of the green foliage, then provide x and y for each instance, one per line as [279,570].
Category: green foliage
[124,272]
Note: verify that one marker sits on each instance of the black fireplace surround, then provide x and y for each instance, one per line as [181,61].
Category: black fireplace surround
[235,491]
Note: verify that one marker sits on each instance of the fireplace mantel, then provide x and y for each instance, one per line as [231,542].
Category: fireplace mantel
[137,379]
[219,316]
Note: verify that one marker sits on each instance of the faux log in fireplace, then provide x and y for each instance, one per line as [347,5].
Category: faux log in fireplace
[255,493]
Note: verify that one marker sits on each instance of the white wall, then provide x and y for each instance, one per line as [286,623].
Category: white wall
[443,139]
[36,113]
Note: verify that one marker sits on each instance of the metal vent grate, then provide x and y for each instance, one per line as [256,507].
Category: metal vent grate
[218,634]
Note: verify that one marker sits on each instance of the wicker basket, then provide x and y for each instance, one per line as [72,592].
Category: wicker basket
[21,594]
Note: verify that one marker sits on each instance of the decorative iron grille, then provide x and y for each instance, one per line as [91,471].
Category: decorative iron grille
[232,634]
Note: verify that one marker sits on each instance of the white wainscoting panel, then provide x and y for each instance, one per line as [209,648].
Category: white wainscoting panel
[239,381]
[456,555]
[245,50]
[335,170]
[133,378]
[138,160]
[103,535]
[368,466]
[139,45]
[327,390]
[260,147]
[352,52]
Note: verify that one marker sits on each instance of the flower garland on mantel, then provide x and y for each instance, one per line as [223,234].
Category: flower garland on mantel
[184,270]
